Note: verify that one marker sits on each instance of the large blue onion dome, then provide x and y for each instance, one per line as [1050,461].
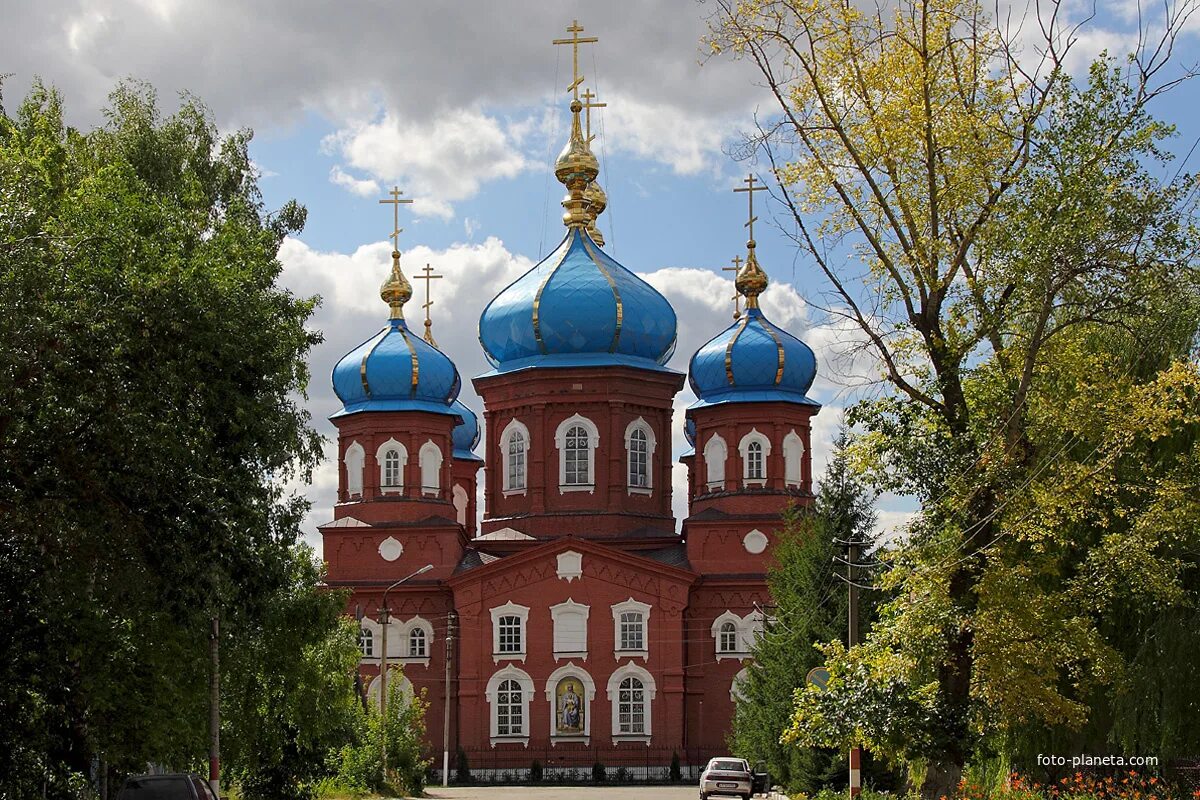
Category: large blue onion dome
[578,302]
[466,432]
[752,360]
[395,370]
[578,306]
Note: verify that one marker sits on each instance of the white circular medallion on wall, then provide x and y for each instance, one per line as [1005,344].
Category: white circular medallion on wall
[390,549]
[755,542]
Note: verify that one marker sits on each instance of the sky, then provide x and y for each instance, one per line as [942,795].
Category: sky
[462,105]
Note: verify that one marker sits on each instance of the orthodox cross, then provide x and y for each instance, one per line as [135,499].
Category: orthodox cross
[737,298]
[575,29]
[750,189]
[588,105]
[395,204]
[428,277]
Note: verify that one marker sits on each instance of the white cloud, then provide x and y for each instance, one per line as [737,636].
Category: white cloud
[439,161]
[363,187]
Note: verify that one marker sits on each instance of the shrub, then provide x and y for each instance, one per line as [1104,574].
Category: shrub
[462,769]
[598,772]
[623,775]
[535,771]
[676,772]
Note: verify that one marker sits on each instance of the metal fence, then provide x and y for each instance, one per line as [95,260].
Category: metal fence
[575,763]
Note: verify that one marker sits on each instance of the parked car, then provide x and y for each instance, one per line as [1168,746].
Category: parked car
[726,776]
[184,786]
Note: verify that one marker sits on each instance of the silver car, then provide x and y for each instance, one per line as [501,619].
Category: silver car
[726,776]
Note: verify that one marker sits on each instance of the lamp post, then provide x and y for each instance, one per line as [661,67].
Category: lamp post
[384,616]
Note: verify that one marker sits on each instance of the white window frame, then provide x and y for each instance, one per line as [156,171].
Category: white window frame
[510,609]
[741,651]
[522,679]
[391,444]
[560,442]
[366,643]
[462,502]
[744,448]
[618,609]
[355,461]
[570,670]
[793,459]
[736,686]
[716,454]
[515,426]
[560,612]
[430,458]
[426,627]
[649,689]
[640,424]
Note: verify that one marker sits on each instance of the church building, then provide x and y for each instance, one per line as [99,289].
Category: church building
[572,620]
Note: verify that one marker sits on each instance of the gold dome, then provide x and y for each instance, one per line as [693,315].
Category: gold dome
[396,290]
[751,280]
[576,160]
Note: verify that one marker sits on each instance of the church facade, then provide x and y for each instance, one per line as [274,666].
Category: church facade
[573,621]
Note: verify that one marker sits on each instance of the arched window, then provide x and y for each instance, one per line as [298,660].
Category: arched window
[715,454]
[510,635]
[630,629]
[510,709]
[793,458]
[391,457]
[576,439]
[754,448]
[431,468]
[631,707]
[366,642]
[416,643]
[354,459]
[633,631]
[516,462]
[639,458]
[754,461]
[392,476]
[461,503]
[727,643]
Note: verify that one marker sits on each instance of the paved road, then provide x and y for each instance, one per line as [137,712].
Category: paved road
[684,792]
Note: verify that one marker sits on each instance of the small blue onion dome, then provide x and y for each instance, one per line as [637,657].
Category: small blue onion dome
[752,360]
[578,305]
[689,431]
[396,370]
[466,433]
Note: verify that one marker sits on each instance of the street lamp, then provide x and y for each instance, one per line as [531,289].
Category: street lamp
[384,616]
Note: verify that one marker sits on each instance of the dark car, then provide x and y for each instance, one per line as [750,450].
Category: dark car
[184,786]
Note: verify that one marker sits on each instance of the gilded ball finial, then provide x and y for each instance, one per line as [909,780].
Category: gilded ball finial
[396,290]
[575,168]
[751,280]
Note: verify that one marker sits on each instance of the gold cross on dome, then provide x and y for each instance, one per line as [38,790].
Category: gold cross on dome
[588,105]
[575,29]
[428,277]
[737,298]
[395,204]
[750,189]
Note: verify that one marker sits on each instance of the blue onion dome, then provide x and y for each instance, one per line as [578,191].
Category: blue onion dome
[396,370]
[752,360]
[466,433]
[689,431]
[578,306]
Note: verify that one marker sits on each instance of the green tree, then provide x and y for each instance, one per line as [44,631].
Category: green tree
[150,375]
[810,608]
[358,763]
[1000,237]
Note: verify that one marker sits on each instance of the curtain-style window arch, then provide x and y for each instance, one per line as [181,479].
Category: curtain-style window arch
[431,468]
[631,706]
[510,708]
[516,461]
[575,454]
[715,454]
[793,459]
[355,460]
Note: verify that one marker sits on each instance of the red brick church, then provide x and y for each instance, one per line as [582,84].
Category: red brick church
[587,625]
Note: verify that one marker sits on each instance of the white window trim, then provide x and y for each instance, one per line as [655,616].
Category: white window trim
[363,657]
[560,442]
[753,625]
[356,464]
[514,426]
[793,453]
[744,449]
[651,446]
[739,626]
[507,610]
[570,606]
[714,442]
[457,494]
[648,686]
[569,670]
[631,605]
[426,626]
[394,674]
[735,686]
[509,672]
[383,448]
[431,449]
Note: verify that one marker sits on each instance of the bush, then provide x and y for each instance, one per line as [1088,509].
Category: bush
[358,764]
[535,772]
[598,772]
[462,769]
[623,775]
[676,772]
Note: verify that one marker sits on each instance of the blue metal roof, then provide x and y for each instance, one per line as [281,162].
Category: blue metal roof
[466,432]
[578,301]
[396,370]
[752,361]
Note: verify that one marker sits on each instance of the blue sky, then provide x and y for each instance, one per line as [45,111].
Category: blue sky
[462,105]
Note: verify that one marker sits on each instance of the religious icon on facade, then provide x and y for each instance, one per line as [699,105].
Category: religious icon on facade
[569,696]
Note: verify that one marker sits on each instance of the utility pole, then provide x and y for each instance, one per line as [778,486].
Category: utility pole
[214,708]
[384,616]
[852,639]
[446,702]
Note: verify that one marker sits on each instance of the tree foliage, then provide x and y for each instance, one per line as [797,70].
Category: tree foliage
[1016,252]
[150,373]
